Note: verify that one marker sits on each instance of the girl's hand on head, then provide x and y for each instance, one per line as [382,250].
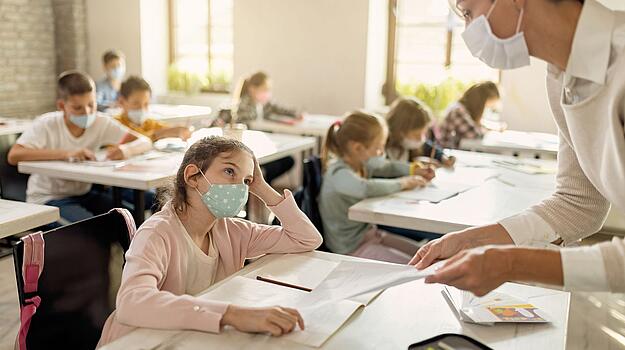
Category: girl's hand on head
[410,182]
[274,320]
[258,183]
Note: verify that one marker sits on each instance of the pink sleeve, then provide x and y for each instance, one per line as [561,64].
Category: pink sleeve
[140,303]
[297,233]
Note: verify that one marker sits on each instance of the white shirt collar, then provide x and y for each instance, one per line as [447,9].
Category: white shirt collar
[590,52]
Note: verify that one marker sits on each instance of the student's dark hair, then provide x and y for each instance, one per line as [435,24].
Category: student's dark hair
[406,114]
[474,99]
[132,84]
[73,82]
[357,126]
[111,55]
[202,153]
[256,79]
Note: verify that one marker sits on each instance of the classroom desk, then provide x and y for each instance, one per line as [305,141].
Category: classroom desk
[16,217]
[174,114]
[491,201]
[400,316]
[315,125]
[517,143]
[12,126]
[159,171]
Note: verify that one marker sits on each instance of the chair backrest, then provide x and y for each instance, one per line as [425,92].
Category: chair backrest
[12,183]
[306,197]
[75,284]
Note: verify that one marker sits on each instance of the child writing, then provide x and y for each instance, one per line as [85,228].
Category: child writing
[195,241]
[464,118]
[73,134]
[114,64]
[408,121]
[134,99]
[357,148]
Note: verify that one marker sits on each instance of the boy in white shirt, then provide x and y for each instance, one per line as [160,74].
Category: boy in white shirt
[74,133]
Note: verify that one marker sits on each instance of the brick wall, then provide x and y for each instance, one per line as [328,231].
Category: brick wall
[38,40]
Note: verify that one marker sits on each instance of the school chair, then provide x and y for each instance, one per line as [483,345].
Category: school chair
[12,183]
[306,197]
[65,303]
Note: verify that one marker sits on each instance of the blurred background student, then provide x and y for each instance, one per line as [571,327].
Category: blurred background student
[107,88]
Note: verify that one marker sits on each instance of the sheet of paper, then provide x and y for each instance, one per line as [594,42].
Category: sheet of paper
[297,270]
[428,193]
[320,321]
[352,278]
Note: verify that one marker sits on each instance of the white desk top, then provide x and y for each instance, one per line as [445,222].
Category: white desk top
[511,141]
[16,217]
[485,204]
[177,114]
[10,126]
[157,172]
[400,316]
[312,125]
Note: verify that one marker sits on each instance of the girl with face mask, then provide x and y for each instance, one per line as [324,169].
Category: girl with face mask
[352,156]
[408,122]
[583,42]
[195,240]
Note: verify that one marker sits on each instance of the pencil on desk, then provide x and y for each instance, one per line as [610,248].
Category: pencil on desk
[283,284]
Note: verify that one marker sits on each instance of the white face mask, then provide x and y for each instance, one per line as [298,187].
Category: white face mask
[498,53]
[137,116]
[412,144]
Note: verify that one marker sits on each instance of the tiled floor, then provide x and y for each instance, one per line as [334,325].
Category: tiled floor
[597,320]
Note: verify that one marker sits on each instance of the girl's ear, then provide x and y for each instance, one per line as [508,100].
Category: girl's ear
[189,175]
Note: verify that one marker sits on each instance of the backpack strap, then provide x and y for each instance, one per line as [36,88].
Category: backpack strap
[32,267]
[130,221]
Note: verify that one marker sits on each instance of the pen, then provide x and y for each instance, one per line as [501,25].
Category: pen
[283,284]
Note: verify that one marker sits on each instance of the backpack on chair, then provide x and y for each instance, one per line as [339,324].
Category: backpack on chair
[65,303]
[306,197]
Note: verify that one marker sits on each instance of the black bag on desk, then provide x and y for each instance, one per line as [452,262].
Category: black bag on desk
[449,341]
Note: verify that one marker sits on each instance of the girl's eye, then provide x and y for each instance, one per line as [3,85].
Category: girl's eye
[466,14]
[229,171]
[247,181]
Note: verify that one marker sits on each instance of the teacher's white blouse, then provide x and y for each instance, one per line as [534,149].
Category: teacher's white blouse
[588,104]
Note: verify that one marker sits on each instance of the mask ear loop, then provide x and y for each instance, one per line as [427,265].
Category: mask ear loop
[491,9]
[518,24]
[204,176]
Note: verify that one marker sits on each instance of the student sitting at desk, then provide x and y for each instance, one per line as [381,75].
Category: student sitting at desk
[114,64]
[196,240]
[74,133]
[357,145]
[253,102]
[408,121]
[464,118]
[134,98]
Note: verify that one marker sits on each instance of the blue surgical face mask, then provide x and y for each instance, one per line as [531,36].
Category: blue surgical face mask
[224,200]
[117,73]
[137,116]
[376,162]
[83,121]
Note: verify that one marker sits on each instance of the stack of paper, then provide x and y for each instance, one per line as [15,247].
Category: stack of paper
[338,289]
[492,308]
[525,167]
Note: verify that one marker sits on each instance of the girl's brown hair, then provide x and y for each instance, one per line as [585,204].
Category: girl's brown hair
[474,99]
[358,127]
[255,80]
[406,114]
[202,153]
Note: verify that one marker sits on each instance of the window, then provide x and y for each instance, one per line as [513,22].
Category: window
[426,48]
[201,44]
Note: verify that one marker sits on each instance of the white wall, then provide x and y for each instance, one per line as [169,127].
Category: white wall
[315,51]
[136,27]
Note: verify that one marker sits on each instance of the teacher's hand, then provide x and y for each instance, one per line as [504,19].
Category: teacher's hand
[452,243]
[478,270]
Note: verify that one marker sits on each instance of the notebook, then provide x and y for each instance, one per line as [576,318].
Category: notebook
[492,308]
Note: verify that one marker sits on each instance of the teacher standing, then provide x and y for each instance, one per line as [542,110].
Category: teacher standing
[583,43]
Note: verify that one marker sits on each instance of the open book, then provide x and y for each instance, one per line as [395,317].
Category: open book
[492,308]
[337,290]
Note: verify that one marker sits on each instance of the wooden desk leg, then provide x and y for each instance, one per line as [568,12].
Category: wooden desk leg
[117,197]
[139,202]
